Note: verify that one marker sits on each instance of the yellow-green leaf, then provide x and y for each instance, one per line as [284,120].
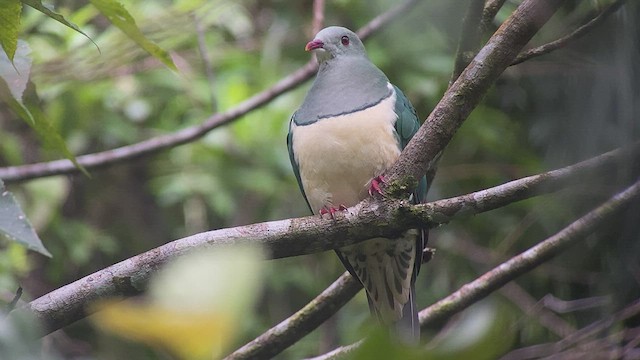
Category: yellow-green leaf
[120,17]
[10,11]
[189,335]
[193,305]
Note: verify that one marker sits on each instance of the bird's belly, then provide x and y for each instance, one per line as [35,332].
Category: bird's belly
[339,156]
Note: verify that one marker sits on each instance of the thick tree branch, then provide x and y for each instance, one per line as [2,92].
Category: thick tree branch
[563,41]
[308,235]
[114,156]
[465,93]
[518,265]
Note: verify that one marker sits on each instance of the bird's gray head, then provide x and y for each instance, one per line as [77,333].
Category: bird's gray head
[335,41]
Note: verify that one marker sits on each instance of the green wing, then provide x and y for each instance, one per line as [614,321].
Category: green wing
[294,164]
[406,126]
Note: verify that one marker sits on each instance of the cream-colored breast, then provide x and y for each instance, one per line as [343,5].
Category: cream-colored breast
[337,157]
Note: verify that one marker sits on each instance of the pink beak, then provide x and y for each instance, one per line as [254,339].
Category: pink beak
[314,44]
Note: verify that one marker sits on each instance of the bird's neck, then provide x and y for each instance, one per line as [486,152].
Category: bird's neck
[343,85]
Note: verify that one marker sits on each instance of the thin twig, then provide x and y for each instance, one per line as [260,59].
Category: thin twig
[563,41]
[384,18]
[566,306]
[512,291]
[151,146]
[308,235]
[489,13]
[469,40]
[11,305]
[318,16]
[576,337]
[528,304]
[206,61]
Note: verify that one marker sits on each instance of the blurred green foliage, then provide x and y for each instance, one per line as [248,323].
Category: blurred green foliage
[542,114]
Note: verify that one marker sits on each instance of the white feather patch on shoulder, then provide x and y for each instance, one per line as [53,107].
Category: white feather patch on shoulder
[338,156]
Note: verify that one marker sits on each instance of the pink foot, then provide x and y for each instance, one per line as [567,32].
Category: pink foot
[375,185]
[331,210]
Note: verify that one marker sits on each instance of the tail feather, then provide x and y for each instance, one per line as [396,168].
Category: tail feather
[408,327]
[387,270]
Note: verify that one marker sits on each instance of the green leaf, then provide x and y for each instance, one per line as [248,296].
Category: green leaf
[14,224]
[120,17]
[15,77]
[14,80]
[47,10]
[9,25]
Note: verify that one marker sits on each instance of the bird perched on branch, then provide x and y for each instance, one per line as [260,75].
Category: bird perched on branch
[351,127]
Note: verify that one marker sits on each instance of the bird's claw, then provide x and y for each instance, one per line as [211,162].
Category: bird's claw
[331,210]
[374,188]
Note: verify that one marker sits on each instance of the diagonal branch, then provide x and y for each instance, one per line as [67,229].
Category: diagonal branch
[305,320]
[159,143]
[518,265]
[292,329]
[528,260]
[444,210]
[466,92]
[312,234]
[563,41]
[381,20]
[512,291]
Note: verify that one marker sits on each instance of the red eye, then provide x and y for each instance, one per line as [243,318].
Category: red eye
[345,40]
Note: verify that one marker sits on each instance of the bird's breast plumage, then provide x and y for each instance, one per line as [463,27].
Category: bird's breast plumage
[338,156]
